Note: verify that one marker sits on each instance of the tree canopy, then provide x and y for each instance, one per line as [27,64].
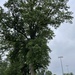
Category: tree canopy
[25,28]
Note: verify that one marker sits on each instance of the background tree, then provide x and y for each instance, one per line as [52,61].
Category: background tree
[44,72]
[26,29]
[48,72]
[68,73]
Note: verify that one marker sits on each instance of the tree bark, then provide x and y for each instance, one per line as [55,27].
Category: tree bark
[32,71]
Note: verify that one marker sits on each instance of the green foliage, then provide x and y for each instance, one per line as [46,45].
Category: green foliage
[41,72]
[48,73]
[39,50]
[68,73]
[25,29]
[44,72]
[3,66]
[13,69]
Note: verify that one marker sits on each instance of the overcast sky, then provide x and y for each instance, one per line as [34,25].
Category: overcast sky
[62,45]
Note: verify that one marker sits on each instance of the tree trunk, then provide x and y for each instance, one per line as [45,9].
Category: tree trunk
[32,71]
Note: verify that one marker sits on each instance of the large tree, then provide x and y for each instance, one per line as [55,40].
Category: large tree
[25,28]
